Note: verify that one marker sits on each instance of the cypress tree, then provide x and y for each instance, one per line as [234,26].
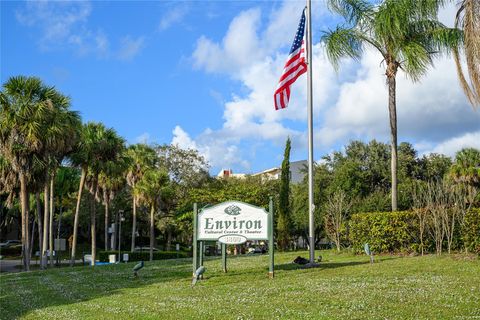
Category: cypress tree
[284,216]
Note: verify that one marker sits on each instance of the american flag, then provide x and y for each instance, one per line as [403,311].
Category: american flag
[294,67]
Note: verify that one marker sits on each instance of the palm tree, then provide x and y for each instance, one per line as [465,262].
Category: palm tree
[468,19]
[61,135]
[98,145]
[406,33]
[111,180]
[466,168]
[142,157]
[22,118]
[149,190]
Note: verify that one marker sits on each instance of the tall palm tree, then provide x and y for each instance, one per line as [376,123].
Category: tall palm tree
[468,19]
[97,145]
[111,180]
[22,118]
[149,190]
[142,158]
[61,134]
[406,33]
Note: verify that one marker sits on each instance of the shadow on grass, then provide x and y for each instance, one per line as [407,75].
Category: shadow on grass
[333,265]
[24,292]
[321,265]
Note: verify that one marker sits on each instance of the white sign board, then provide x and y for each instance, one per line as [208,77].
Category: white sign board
[233,222]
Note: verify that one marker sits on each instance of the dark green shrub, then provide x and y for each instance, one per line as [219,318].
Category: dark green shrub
[144,255]
[471,231]
[383,231]
[11,251]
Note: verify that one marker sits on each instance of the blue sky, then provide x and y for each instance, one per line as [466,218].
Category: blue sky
[202,74]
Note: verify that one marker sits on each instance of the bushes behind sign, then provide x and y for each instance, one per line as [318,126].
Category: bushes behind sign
[391,232]
[471,231]
[383,231]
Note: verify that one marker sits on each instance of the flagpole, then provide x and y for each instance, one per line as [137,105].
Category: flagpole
[311,206]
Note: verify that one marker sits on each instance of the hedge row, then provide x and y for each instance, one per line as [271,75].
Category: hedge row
[471,231]
[143,255]
[383,231]
[398,232]
[11,251]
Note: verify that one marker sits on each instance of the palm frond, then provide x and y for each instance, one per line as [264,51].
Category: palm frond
[416,60]
[341,43]
[353,11]
[468,18]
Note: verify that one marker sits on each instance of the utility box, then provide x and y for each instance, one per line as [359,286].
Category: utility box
[112,258]
[125,257]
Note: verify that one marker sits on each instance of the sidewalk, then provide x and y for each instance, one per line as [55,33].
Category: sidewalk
[15,265]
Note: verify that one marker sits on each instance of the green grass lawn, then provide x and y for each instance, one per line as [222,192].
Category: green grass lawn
[344,287]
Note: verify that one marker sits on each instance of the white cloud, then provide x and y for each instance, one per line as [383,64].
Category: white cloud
[65,25]
[182,139]
[434,108]
[61,23]
[57,19]
[172,16]
[130,47]
[451,146]
[143,138]
[211,145]
[238,49]
[350,105]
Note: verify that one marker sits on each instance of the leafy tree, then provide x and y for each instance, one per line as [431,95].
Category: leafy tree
[251,190]
[187,170]
[434,166]
[321,181]
[186,167]
[407,35]
[337,210]
[360,170]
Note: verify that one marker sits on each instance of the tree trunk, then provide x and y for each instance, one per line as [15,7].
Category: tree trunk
[392,108]
[46,215]
[77,212]
[93,213]
[50,227]
[25,238]
[115,232]
[106,200]
[169,239]
[134,222]
[152,231]
[40,222]
[32,235]
[338,241]
[421,241]
[59,217]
